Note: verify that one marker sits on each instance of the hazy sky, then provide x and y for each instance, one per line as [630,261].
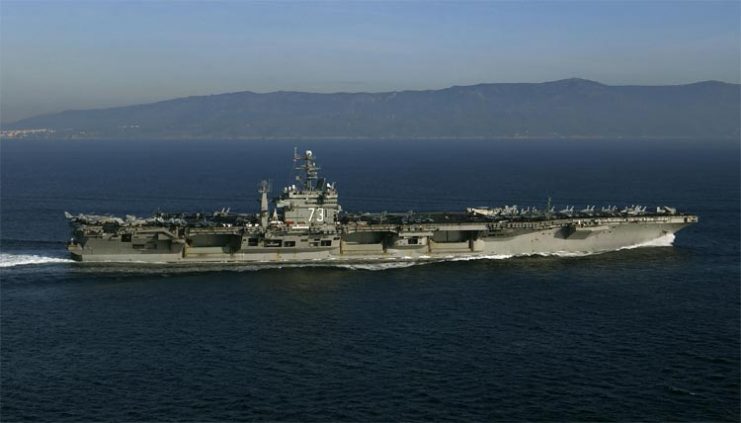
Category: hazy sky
[57,55]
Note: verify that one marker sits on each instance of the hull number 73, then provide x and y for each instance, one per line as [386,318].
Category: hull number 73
[319,214]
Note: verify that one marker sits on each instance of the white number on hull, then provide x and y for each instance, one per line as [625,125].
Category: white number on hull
[319,214]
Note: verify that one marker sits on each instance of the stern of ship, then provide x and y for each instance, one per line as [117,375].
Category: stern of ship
[75,250]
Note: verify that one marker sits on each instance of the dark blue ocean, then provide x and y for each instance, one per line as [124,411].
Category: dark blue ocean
[648,334]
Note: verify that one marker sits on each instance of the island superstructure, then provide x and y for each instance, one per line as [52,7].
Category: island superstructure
[307,224]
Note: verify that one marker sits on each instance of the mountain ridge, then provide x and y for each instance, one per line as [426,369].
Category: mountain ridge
[566,108]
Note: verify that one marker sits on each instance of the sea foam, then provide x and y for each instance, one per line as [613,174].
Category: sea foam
[12,260]
[662,241]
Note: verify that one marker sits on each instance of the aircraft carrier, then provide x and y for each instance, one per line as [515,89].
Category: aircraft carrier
[307,225]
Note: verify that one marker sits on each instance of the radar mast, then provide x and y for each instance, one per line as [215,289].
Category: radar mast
[307,164]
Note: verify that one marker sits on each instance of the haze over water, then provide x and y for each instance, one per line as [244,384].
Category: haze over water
[642,334]
[80,54]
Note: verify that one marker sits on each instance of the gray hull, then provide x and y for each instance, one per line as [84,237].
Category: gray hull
[563,238]
[307,225]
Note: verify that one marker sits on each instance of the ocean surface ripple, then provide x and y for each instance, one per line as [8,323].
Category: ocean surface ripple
[641,334]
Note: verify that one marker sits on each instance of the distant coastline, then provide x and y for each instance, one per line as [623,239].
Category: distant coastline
[689,139]
[565,109]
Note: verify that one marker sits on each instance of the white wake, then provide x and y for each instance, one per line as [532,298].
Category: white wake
[662,241]
[12,260]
